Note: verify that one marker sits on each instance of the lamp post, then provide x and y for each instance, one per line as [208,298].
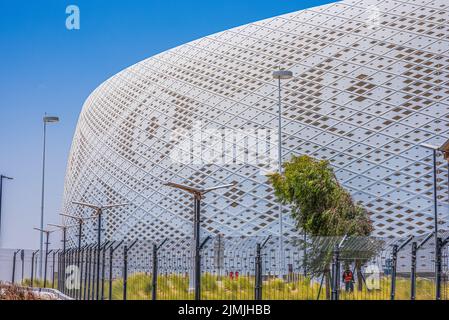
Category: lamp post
[46,119]
[445,150]
[198,195]
[281,75]
[1,193]
[47,234]
[98,214]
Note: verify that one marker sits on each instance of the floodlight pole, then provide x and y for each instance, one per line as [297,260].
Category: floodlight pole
[394,257]
[435,149]
[281,75]
[46,119]
[198,194]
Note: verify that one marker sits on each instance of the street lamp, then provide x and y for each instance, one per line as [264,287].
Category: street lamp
[281,75]
[47,234]
[1,193]
[198,194]
[98,214]
[81,222]
[46,119]
[445,150]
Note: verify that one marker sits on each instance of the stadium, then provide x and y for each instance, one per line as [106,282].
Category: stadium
[369,87]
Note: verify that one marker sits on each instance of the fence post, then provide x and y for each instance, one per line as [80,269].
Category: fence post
[33,254]
[394,258]
[111,257]
[70,263]
[53,270]
[86,253]
[89,275]
[413,272]
[258,274]
[438,271]
[64,264]
[154,283]
[304,262]
[155,269]
[93,273]
[61,276]
[258,270]
[75,271]
[125,270]
[22,257]
[102,272]
[59,272]
[198,267]
[335,272]
[80,272]
[13,278]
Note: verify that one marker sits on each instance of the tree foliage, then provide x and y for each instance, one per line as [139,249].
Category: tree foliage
[323,209]
[320,205]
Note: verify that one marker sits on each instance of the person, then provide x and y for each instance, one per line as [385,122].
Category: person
[348,279]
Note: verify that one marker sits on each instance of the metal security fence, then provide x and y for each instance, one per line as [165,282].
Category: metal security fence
[309,268]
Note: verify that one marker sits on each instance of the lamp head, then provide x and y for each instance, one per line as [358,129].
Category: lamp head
[51,119]
[282,74]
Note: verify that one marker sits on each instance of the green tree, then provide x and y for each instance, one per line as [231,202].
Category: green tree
[320,206]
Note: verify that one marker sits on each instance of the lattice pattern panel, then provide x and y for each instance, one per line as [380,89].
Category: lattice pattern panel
[370,85]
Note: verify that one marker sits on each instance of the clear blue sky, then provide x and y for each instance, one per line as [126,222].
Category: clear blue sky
[46,68]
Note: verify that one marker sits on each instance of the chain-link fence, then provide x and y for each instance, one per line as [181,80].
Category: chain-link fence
[309,268]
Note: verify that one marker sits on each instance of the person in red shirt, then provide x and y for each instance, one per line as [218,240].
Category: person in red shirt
[348,279]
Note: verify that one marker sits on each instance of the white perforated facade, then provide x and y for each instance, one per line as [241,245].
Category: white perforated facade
[370,85]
